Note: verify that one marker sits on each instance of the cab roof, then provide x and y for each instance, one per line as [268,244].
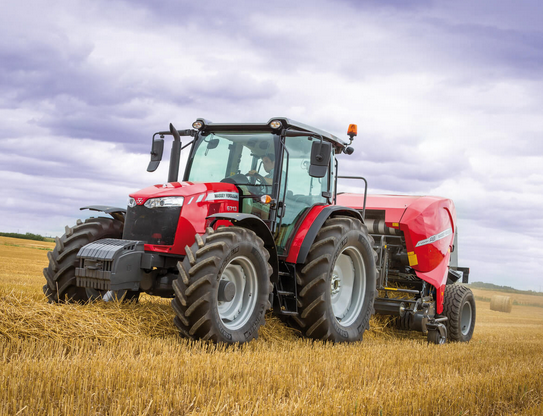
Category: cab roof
[286,123]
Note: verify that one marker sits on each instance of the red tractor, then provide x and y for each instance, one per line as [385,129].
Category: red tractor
[257,223]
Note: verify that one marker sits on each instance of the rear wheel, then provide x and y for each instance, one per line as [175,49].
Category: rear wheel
[336,285]
[459,308]
[60,274]
[224,287]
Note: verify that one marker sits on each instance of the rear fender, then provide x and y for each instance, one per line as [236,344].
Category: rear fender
[307,231]
[116,213]
[254,223]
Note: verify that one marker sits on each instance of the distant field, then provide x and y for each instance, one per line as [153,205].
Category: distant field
[518,299]
[115,359]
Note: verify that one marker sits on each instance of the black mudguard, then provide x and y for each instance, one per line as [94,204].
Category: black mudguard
[116,213]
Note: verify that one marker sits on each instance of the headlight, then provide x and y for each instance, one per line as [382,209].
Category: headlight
[169,201]
[275,124]
[131,202]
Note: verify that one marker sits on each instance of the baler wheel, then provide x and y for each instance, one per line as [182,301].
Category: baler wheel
[336,285]
[60,274]
[435,337]
[223,288]
[459,308]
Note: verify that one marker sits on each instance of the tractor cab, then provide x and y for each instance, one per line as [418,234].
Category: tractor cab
[281,169]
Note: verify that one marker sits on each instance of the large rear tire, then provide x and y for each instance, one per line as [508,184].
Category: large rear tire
[224,286]
[336,285]
[459,308]
[60,274]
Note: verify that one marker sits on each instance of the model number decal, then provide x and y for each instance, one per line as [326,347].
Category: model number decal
[434,238]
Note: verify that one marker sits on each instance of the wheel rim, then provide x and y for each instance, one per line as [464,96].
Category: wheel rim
[237,312]
[348,286]
[465,321]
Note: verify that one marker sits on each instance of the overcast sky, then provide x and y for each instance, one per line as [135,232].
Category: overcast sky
[447,95]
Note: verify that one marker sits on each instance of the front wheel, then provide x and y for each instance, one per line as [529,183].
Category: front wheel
[224,286]
[60,273]
[336,285]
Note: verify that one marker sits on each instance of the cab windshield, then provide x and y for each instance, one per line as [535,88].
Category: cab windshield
[244,159]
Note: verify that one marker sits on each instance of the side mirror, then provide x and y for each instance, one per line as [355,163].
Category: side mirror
[156,154]
[321,152]
[212,144]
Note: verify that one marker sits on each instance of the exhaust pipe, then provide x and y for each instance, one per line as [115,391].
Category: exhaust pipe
[175,156]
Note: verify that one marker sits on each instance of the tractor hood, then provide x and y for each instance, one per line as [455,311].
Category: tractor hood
[200,191]
[169,225]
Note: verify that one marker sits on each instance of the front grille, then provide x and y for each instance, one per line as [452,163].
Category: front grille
[151,225]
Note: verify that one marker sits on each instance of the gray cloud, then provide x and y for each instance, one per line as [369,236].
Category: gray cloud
[447,96]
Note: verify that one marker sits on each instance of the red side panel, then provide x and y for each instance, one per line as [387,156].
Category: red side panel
[393,205]
[438,279]
[428,226]
[302,232]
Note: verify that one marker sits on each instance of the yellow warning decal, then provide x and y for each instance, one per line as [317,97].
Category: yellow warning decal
[412,257]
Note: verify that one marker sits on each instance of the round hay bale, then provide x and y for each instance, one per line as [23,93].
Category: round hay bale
[501,303]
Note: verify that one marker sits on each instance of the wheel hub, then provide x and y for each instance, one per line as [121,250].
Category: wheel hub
[348,286]
[227,290]
[236,293]
[335,284]
[465,320]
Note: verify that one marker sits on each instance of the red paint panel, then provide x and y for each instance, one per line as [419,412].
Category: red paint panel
[193,213]
[302,231]
[437,278]
[424,220]
[169,189]
[393,205]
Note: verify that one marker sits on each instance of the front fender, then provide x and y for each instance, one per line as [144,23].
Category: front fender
[253,223]
[311,225]
[116,213]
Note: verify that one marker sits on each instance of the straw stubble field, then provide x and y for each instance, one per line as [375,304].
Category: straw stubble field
[119,359]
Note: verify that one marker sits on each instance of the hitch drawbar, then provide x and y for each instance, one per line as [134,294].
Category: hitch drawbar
[110,264]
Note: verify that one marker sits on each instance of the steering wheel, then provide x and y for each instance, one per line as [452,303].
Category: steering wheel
[257,177]
[238,179]
[255,180]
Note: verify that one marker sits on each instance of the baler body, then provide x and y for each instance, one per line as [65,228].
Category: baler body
[425,225]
